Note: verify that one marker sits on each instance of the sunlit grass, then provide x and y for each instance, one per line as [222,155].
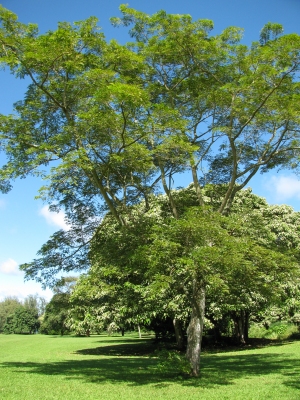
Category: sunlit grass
[101,367]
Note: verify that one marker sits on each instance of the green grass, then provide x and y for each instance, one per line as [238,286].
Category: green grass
[100,367]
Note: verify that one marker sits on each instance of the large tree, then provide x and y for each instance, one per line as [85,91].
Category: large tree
[154,267]
[239,103]
[118,121]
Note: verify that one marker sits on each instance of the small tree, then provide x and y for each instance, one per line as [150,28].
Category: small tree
[57,310]
[22,321]
[36,303]
[54,321]
[7,308]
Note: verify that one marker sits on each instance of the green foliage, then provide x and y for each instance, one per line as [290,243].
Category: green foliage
[270,32]
[7,308]
[22,321]
[56,313]
[145,271]
[281,331]
[54,324]
[21,317]
[35,303]
[276,331]
[83,318]
[172,361]
[118,123]
[57,310]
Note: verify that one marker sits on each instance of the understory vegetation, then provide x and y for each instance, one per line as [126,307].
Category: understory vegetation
[276,331]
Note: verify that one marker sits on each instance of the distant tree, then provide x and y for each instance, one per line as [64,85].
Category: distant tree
[57,310]
[65,285]
[36,303]
[7,308]
[22,321]
[54,321]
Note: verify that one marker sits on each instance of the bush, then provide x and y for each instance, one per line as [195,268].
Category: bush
[22,321]
[276,331]
[172,361]
[281,331]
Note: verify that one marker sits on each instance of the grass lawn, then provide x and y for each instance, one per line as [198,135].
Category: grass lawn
[100,367]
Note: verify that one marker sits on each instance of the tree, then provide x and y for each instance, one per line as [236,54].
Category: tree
[273,227]
[7,307]
[117,121]
[35,303]
[95,306]
[229,95]
[21,317]
[57,310]
[22,321]
[56,313]
[156,266]
[282,228]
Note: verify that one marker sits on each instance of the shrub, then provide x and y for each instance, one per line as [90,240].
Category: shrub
[276,331]
[172,361]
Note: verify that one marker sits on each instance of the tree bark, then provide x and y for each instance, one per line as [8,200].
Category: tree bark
[195,328]
[246,325]
[140,334]
[168,191]
[241,326]
[178,333]
[196,183]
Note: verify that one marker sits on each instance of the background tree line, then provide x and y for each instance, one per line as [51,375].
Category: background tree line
[23,317]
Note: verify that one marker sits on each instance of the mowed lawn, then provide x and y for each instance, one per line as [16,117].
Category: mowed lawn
[101,367]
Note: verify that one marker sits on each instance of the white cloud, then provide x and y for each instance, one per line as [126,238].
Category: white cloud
[54,219]
[284,187]
[22,290]
[2,204]
[10,267]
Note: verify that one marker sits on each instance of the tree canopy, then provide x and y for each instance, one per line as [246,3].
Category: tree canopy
[106,125]
[109,126]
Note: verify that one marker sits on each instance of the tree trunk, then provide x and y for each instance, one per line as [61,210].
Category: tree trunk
[195,328]
[241,326]
[139,329]
[216,331]
[246,325]
[196,182]
[168,191]
[178,333]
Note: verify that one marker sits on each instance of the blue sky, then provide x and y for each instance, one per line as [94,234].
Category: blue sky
[26,223]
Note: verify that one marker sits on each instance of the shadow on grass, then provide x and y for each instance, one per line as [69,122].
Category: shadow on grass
[114,365]
[129,348]
[109,339]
